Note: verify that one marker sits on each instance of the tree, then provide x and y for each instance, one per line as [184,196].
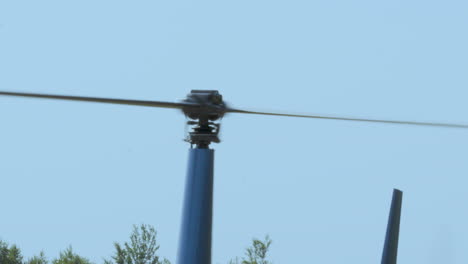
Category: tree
[41,259]
[256,254]
[68,257]
[10,255]
[142,248]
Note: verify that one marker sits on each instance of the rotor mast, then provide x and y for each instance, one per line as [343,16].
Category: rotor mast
[205,110]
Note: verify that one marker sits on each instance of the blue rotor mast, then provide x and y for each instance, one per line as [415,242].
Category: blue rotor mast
[197,215]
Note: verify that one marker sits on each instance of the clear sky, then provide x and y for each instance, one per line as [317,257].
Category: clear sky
[83,174]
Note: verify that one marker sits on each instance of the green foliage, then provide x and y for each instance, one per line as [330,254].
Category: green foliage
[256,254]
[41,259]
[68,257]
[10,255]
[142,248]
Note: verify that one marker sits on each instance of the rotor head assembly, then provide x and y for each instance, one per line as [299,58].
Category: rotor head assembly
[204,112]
[204,104]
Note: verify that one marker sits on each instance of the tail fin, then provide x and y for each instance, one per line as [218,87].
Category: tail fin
[390,250]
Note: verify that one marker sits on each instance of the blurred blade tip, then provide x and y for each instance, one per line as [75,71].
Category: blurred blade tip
[396,122]
[96,99]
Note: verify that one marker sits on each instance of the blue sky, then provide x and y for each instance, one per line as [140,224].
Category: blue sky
[83,174]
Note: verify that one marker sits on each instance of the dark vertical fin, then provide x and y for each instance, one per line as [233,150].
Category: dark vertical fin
[390,250]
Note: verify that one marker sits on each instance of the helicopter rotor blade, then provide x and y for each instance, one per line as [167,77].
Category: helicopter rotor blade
[182,105]
[100,100]
[230,110]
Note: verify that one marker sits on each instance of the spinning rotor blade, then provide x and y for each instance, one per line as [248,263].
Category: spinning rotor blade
[182,105]
[100,100]
[351,119]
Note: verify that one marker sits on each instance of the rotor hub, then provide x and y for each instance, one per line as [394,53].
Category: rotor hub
[204,114]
